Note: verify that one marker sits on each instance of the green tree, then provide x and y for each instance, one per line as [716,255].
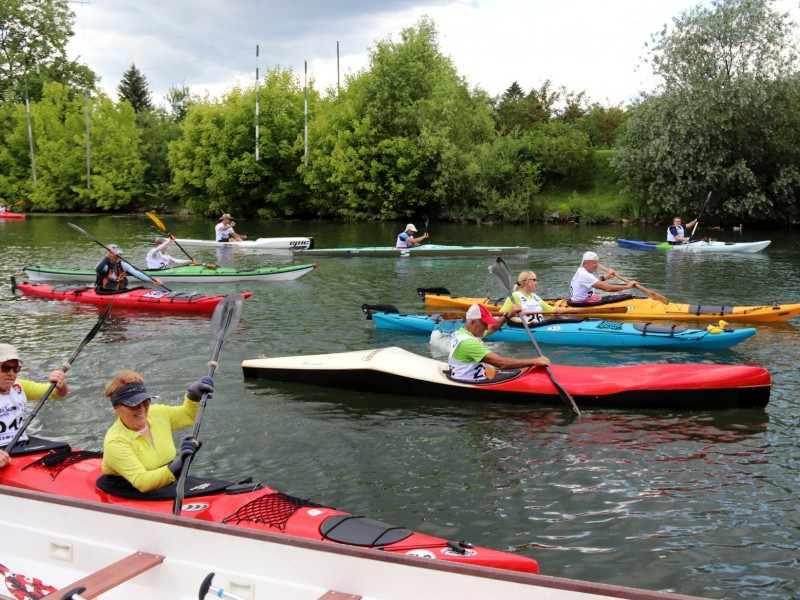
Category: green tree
[725,117]
[33,38]
[386,146]
[133,88]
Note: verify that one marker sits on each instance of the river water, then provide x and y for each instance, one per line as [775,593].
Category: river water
[695,502]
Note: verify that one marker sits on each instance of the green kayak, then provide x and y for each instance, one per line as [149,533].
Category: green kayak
[188,273]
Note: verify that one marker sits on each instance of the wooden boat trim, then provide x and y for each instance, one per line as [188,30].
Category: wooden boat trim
[113,575]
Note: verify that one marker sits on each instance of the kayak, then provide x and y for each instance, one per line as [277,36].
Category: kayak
[697,246]
[10,215]
[278,243]
[649,386]
[187,273]
[140,298]
[580,332]
[639,309]
[424,250]
[56,469]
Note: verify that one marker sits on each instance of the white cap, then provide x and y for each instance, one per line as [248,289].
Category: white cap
[478,311]
[8,352]
[115,248]
[410,227]
[590,256]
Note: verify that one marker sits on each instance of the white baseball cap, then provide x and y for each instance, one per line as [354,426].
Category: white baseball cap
[590,256]
[478,311]
[9,352]
[410,227]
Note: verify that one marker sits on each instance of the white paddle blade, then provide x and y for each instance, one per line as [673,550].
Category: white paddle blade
[440,343]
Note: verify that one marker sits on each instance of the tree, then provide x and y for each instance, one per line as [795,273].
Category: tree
[33,37]
[133,88]
[725,117]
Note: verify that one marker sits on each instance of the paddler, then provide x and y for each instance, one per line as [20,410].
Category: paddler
[584,283]
[470,360]
[224,230]
[112,272]
[676,233]
[138,447]
[406,239]
[525,299]
[14,394]
[159,258]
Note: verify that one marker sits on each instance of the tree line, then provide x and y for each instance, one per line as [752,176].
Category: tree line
[408,135]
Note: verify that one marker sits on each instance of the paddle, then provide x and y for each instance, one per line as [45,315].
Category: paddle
[96,241]
[654,295]
[19,202]
[503,276]
[65,368]
[224,320]
[163,228]
[697,220]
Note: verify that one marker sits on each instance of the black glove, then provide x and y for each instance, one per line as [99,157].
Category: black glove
[189,447]
[204,384]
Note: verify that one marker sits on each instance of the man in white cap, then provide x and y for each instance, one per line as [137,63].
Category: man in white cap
[112,272]
[584,282]
[470,360]
[14,394]
[224,230]
[406,239]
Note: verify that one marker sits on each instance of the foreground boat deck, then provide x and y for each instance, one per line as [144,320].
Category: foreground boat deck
[64,542]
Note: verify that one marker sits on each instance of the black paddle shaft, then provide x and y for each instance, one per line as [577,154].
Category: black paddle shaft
[224,320]
[66,367]
[503,276]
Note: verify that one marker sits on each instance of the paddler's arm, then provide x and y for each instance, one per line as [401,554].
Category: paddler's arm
[502,362]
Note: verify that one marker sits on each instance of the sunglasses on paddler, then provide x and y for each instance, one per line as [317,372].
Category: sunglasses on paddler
[7,368]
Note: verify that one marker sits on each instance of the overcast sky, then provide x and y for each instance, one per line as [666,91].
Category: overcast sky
[594,46]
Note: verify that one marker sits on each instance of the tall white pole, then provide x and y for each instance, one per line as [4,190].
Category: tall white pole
[256,101]
[305,110]
[88,154]
[30,134]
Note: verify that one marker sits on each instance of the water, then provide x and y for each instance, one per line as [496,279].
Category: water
[700,503]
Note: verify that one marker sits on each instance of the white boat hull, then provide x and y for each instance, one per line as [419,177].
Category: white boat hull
[277,243]
[63,542]
[716,246]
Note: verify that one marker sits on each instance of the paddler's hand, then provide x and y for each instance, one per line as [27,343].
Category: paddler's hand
[194,263]
[540,361]
[157,281]
[5,459]
[189,447]
[204,384]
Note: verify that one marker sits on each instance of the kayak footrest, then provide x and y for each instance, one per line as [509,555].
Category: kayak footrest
[111,576]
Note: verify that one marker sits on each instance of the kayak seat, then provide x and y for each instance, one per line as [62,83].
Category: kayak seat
[361,531]
[113,292]
[72,288]
[195,486]
[500,376]
[604,300]
[650,328]
[34,445]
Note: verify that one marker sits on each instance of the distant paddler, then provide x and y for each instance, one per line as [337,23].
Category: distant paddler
[224,230]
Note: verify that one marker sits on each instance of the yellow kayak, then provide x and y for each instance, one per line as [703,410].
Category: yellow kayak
[639,309]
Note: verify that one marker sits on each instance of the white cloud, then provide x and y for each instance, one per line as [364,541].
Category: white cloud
[586,45]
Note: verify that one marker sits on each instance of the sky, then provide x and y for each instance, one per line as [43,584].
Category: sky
[594,46]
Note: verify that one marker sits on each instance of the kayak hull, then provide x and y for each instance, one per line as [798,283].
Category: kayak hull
[246,506]
[643,309]
[424,250]
[277,243]
[587,332]
[651,386]
[188,273]
[697,246]
[134,298]
[10,216]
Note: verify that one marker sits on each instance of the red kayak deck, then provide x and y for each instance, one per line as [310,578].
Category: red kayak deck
[68,474]
[137,298]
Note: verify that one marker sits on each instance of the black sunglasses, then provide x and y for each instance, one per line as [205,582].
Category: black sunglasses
[7,368]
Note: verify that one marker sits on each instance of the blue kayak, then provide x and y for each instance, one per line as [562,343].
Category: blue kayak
[578,332]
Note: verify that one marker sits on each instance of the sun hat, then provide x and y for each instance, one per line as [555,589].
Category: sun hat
[130,395]
[590,256]
[410,227]
[478,311]
[226,216]
[8,352]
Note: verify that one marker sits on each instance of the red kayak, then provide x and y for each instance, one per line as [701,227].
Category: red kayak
[138,298]
[640,387]
[54,468]
[10,215]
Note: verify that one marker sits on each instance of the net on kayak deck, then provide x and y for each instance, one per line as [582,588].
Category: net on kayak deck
[611,325]
[273,509]
[56,461]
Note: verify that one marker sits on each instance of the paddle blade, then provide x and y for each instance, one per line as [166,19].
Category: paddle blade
[19,202]
[500,272]
[157,221]
[226,316]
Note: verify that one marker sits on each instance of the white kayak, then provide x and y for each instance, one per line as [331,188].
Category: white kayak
[277,243]
[717,246]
